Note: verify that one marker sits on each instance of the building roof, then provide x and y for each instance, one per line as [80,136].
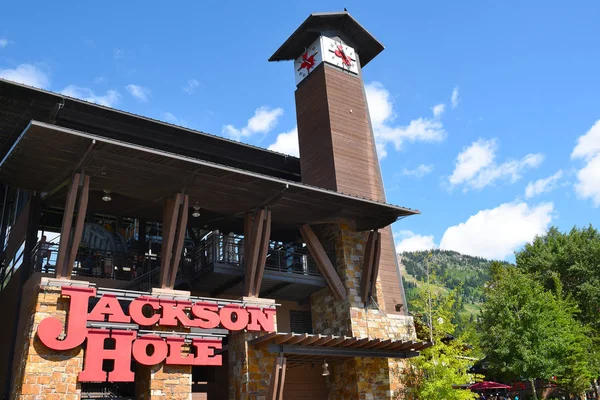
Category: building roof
[20,104]
[340,23]
[44,157]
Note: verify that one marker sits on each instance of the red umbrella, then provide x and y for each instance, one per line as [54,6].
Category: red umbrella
[488,385]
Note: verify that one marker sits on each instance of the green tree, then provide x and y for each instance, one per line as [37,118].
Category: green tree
[443,365]
[573,260]
[528,332]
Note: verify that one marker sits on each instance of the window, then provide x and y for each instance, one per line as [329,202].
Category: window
[300,321]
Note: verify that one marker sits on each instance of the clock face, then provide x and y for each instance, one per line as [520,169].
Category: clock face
[308,61]
[325,49]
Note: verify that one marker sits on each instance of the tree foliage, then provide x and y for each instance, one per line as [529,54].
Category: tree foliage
[573,258]
[443,365]
[528,332]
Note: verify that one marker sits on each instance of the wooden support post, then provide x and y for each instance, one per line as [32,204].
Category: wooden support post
[173,236]
[262,256]
[277,379]
[65,230]
[370,266]
[282,378]
[79,222]
[170,215]
[247,234]
[376,258]
[252,252]
[365,280]
[323,262]
[179,239]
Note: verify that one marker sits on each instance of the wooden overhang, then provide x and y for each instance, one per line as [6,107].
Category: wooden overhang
[306,348]
[20,104]
[338,23]
[46,155]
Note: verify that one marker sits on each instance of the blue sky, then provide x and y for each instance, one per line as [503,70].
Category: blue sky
[523,76]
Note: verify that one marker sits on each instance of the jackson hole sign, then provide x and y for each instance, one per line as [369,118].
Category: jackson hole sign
[147,349]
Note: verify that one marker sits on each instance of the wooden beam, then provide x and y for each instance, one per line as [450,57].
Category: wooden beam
[263,252]
[272,393]
[257,227]
[79,222]
[171,213]
[263,338]
[277,379]
[282,378]
[365,279]
[325,266]
[65,230]
[376,258]
[247,234]
[179,240]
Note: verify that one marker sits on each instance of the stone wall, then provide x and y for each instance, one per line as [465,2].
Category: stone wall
[357,378]
[41,373]
[250,367]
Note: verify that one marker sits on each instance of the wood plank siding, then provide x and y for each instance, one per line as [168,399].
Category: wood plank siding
[337,151]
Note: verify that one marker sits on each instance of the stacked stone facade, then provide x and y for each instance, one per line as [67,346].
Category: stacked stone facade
[41,373]
[357,378]
[250,367]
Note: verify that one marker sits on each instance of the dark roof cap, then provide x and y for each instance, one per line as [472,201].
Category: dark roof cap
[348,28]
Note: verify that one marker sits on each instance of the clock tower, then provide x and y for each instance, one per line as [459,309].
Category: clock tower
[335,135]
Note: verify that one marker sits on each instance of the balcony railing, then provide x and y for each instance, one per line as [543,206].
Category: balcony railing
[93,263]
[229,249]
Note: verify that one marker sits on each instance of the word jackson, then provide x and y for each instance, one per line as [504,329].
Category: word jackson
[150,349]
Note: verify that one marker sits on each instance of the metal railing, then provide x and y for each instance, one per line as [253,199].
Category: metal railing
[92,262]
[229,249]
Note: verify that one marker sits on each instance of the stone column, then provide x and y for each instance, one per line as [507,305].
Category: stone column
[38,371]
[170,381]
[357,378]
[250,367]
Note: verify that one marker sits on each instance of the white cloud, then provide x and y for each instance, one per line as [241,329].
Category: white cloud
[110,99]
[544,185]
[3,42]
[263,121]
[118,54]
[287,143]
[454,100]
[438,110]
[496,233]
[100,79]
[410,241]
[588,181]
[139,92]
[588,177]
[588,145]
[27,74]
[475,166]
[382,117]
[191,86]
[418,172]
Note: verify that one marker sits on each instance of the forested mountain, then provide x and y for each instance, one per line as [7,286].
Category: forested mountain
[448,270]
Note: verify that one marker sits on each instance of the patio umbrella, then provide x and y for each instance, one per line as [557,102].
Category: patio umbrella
[488,385]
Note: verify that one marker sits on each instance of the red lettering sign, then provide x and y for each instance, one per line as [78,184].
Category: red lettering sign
[149,349]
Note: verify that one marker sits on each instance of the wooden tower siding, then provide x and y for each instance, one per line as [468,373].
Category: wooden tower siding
[337,152]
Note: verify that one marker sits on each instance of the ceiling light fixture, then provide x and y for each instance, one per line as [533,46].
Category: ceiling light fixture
[325,369]
[106,196]
[196,212]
